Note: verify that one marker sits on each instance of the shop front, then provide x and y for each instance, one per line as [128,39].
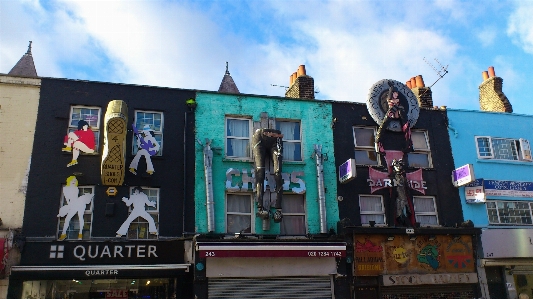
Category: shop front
[71,270]
[507,262]
[269,269]
[414,266]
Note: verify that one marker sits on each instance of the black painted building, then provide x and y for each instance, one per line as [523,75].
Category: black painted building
[90,231]
[415,245]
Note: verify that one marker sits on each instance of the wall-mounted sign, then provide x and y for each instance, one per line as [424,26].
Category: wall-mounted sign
[113,156]
[463,175]
[111,254]
[399,254]
[347,171]
[474,192]
[508,188]
[291,181]
[246,250]
[416,279]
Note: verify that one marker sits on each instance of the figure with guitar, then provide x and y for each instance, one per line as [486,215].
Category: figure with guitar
[147,146]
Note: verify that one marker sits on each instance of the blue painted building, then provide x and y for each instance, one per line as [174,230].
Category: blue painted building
[500,201]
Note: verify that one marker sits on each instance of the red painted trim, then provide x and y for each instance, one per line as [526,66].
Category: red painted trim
[273,253]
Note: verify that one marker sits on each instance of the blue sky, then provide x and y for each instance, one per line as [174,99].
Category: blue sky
[346,46]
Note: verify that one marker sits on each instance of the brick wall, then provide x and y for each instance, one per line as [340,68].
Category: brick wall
[303,88]
[424,96]
[491,97]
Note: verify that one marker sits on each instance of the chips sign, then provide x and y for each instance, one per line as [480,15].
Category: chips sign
[347,171]
[463,175]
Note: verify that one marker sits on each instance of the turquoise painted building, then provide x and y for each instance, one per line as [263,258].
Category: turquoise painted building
[228,121]
[500,201]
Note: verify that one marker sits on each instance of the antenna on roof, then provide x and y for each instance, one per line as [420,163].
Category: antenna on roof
[441,72]
[286,87]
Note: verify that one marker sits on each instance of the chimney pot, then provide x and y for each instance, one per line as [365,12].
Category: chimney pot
[408,83]
[301,70]
[419,81]
[413,82]
[485,75]
[294,76]
[491,72]
[290,80]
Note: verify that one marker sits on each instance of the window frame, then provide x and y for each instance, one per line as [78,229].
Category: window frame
[522,147]
[422,151]
[249,137]
[362,148]
[147,209]
[295,141]
[61,220]
[159,132]
[435,213]
[496,202]
[288,214]
[251,213]
[96,130]
[383,211]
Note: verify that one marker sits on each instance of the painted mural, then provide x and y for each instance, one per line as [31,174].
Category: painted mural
[73,204]
[138,200]
[403,254]
[81,140]
[147,147]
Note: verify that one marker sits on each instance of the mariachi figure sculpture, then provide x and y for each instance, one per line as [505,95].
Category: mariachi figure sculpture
[268,141]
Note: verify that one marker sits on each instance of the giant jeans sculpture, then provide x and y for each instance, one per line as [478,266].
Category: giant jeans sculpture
[268,141]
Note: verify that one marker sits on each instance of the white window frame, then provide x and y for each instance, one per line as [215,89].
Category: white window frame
[150,210]
[88,211]
[363,148]
[418,213]
[523,148]
[295,141]
[96,129]
[287,214]
[250,213]
[249,138]
[382,212]
[156,132]
[424,151]
[529,205]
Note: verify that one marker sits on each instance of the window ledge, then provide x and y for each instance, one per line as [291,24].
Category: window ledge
[496,161]
[252,161]
[237,160]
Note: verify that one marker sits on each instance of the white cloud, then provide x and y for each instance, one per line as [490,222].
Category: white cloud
[520,26]
[486,36]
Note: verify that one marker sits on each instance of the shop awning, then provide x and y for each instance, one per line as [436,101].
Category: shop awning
[313,250]
[97,271]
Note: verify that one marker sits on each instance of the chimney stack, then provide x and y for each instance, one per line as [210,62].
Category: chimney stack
[422,93]
[301,85]
[491,96]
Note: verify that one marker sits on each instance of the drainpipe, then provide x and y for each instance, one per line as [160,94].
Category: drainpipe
[321,190]
[208,169]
